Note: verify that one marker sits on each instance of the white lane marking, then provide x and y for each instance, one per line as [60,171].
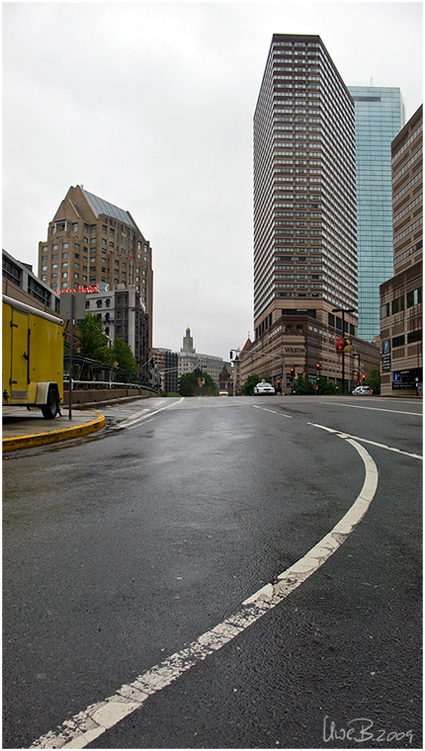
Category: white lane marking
[372,443]
[375,409]
[355,437]
[140,416]
[84,727]
[300,571]
[275,412]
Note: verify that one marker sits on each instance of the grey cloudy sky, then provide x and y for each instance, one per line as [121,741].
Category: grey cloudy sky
[150,106]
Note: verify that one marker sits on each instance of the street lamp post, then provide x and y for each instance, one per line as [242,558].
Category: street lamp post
[342,311]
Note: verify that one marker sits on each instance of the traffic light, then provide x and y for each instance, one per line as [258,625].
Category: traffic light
[363,378]
[319,367]
[292,374]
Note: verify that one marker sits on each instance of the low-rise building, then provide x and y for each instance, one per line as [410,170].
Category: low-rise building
[167,362]
[123,315]
[297,344]
[21,283]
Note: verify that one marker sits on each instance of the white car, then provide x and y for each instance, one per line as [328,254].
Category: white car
[362,391]
[264,389]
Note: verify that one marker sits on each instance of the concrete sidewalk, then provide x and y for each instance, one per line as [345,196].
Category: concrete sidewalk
[23,428]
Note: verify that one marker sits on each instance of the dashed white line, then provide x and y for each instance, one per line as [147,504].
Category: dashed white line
[84,727]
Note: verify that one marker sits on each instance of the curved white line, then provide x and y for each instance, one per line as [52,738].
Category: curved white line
[295,575]
[84,727]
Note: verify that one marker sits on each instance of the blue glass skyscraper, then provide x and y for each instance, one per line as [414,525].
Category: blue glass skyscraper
[379,116]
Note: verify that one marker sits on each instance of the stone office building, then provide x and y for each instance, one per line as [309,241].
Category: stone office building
[189,360]
[92,242]
[401,296]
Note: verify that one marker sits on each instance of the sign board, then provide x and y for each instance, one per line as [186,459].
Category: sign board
[386,356]
[79,305]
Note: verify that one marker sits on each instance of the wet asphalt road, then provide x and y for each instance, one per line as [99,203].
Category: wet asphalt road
[120,549]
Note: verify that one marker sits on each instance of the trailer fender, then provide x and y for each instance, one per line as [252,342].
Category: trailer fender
[43,392]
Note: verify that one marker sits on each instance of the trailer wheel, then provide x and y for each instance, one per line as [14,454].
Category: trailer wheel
[51,408]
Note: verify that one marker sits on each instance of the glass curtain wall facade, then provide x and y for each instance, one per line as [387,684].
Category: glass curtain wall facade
[379,116]
[304,187]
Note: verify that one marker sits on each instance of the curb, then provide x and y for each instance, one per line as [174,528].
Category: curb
[64,434]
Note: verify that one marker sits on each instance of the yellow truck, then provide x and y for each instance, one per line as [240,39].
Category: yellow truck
[32,357]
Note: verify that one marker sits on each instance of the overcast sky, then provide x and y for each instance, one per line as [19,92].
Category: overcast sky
[150,106]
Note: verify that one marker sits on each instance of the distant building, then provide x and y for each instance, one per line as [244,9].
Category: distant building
[21,283]
[123,315]
[189,360]
[379,116]
[401,296]
[225,381]
[91,241]
[167,362]
[188,342]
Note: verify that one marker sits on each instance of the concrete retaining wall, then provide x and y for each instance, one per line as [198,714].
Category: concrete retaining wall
[91,396]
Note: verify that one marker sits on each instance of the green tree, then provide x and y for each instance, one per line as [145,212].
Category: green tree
[303,385]
[250,383]
[197,383]
[121,353]
[373,379]
[94,342]
[325,387]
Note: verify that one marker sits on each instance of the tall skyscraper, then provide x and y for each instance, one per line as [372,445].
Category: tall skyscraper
[304,188]
[379,116]
[305,233]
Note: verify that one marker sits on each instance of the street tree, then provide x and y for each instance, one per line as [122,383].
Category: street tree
[197,383]
[94,342]
[373,379]
[121,353]
[325,387]
[303,385]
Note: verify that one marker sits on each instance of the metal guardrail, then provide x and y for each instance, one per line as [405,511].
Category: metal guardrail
[103,385]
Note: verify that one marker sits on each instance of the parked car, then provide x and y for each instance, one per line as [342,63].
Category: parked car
[362,391]
[264,389]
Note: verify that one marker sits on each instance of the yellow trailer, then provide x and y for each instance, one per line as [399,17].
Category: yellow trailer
[32,357]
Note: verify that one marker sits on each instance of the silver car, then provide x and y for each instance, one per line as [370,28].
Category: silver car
[362,391]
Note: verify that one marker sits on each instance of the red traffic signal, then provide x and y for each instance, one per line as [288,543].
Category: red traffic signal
[292,374]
